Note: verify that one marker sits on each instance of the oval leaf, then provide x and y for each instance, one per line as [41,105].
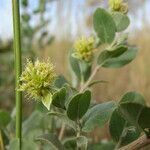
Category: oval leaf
[144,121]
[79,105]
[131,112]
[108,55]
[120,129]
[4,119]
[74,63]
[118,61]
[133,97]
[52,140]
[64,119]
[122,21]
[97,116]
[104,25]
[59,98]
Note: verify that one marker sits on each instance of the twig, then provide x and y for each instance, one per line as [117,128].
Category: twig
[90,78]
[61,133]
[1,141]
[142,142]
[84,86]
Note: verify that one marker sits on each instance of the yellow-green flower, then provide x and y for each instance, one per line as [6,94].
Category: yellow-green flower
[37,80]
[83,49]
[118,5]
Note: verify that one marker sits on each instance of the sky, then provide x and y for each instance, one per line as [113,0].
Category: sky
[6,28]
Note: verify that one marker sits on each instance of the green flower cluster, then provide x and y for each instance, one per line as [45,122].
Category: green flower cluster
[37,79]
[83,49]
[118,5]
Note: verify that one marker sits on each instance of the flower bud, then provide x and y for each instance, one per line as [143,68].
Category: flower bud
[118,5]
[83,49]
[37,80]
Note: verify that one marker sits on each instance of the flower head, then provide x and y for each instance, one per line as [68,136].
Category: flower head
[37,79]
[83,49]
[118,5]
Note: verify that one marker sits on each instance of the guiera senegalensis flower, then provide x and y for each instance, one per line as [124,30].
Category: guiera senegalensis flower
[118,5]
[37,81]
[84,48]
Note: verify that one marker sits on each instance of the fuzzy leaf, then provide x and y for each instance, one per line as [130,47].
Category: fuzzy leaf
[32,122]
[85,70]
[98,115]
[58,99]
[120,129]
[52,140]
[47,101]
[117,58]
[122,21]
[108,55]
[75,108]
[131,112]
[27,144]
[104,25]
[74,63]
[60,81]
[144,121]
[133,97]
[64,119]
[82,142]
[5,118]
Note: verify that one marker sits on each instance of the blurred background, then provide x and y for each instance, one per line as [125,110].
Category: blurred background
[49,28]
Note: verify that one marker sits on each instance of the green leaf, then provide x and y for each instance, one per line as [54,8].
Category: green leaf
[82,142]
[52,140]
[103,146]
[130,112]
[116,125]
[116,59]
[122,21]
[70,143]
[104,25]
[60,81]
[64,119]
[98,115]
[120,130]
[70,93]
[5,118]
[108,55]
[47,101]
[59,97]
[144,121]
[14,144]
[26,17]
[27,144]
[24,3]
[131,133]
[74,63]
[133,97]
[75,108]
[85,70]
[96,82]
[32,122]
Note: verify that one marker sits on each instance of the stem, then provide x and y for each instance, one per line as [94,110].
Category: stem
[61,133]
[142,142]
[1,141]
[78,133]
[121,137]
[17,52]
[62,130]
[90,79]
